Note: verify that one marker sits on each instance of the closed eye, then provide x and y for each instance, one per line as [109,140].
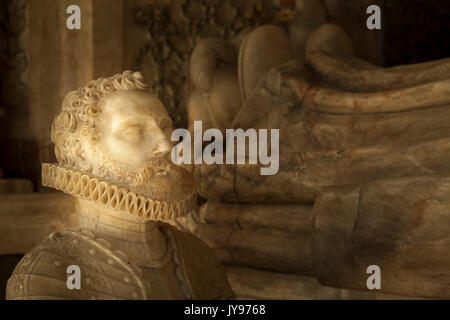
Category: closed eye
[133,132]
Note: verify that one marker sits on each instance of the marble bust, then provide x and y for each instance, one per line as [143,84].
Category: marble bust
[112,143]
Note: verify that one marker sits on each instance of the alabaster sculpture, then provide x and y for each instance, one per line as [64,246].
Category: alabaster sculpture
[112,145]
[224,73]
[342,120]
[363,176]
[215,97]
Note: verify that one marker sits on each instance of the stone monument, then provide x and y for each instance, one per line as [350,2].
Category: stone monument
[112,143]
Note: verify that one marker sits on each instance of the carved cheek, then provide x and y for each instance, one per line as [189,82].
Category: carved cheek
[117,149]
[131,153]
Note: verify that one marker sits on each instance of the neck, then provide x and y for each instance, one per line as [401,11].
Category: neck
[142,241]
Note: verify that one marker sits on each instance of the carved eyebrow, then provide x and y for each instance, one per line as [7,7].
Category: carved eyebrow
[139,120]
[133,122]
[128,123]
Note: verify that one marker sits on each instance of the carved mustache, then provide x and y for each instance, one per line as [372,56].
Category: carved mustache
[153,168]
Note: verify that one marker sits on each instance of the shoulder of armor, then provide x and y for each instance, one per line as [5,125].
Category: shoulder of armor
[205,276]
[42,273]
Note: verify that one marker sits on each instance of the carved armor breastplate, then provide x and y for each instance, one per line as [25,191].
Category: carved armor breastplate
[107,274]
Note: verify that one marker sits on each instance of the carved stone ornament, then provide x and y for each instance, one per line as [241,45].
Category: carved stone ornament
[112,143]
[115,197]
[384,118]
[364,171]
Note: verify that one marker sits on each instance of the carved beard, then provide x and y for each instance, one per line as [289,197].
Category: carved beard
[158,178]
[155,179]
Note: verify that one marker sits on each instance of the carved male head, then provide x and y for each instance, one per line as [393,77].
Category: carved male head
[115,129]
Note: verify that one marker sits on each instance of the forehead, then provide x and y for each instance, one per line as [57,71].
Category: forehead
[133,103]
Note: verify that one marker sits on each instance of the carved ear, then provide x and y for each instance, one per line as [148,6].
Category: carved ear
[225,98]
[198,109]
[70,152]
[263,49]
[79,154]
[69,148]
[207,56]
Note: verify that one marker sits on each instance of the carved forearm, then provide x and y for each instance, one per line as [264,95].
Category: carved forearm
[275,237]
[301,176]
[259,284]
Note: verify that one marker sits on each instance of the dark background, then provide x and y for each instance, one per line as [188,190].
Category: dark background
[415,31]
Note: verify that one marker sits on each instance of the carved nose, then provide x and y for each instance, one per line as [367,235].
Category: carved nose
[161,149]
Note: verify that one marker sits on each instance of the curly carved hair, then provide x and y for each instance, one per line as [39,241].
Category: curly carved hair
[77,121]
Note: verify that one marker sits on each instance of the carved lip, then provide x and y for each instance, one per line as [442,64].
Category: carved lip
[84,186]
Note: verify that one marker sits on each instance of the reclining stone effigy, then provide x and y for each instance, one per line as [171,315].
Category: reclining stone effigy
[363,172]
